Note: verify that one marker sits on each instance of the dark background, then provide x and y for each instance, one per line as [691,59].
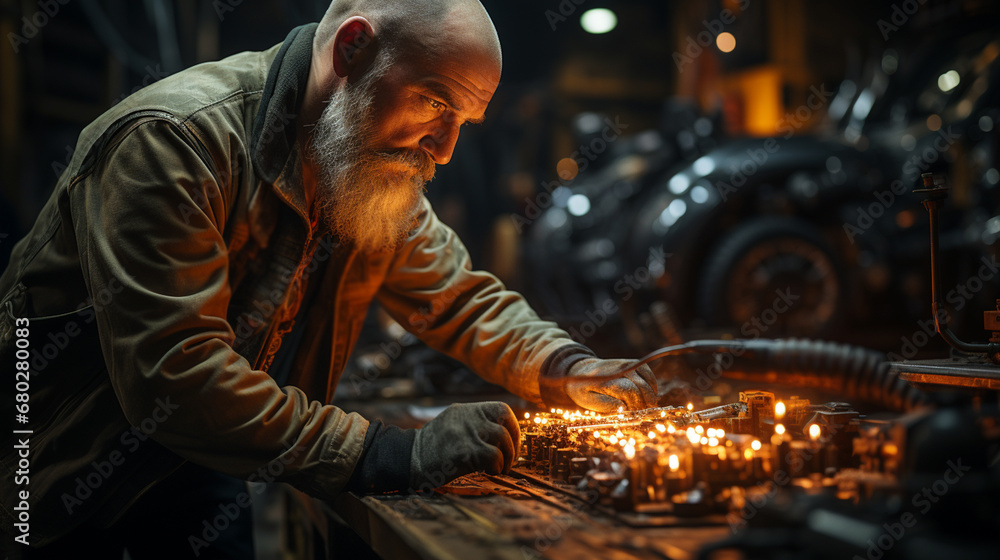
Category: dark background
[63,62]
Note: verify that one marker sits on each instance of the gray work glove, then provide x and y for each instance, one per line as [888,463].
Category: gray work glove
[633,390]
[465,438]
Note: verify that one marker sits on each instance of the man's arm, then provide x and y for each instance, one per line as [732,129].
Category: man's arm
[165,335]
[433,292]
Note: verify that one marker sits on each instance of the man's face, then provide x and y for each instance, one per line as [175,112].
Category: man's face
[379,138]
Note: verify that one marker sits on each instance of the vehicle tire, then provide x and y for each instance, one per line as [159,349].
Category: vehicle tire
[772,277]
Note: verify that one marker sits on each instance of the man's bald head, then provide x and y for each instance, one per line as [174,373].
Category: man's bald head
[403,24]
[391,84]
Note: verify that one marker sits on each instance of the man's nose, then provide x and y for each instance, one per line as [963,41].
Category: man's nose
[439,143]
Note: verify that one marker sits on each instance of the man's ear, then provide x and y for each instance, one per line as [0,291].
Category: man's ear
[353,37]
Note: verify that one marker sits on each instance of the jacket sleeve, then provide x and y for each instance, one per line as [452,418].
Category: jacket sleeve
[431,290]
[165,337]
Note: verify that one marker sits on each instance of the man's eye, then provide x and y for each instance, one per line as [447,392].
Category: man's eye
[435,104]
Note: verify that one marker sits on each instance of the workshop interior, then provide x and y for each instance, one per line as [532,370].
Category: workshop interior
[789,210]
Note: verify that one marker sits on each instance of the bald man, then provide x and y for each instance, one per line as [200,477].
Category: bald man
[190,293]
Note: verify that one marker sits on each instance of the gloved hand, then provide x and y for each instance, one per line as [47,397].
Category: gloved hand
[464,438]
[634,390]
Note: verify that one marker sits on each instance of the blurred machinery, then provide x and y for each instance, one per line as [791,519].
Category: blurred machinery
[790,478]
[719,471]
[716,231]
[782,471]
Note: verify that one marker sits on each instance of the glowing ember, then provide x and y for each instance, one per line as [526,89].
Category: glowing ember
[814,431]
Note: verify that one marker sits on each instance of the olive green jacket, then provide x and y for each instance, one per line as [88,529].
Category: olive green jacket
[160,277]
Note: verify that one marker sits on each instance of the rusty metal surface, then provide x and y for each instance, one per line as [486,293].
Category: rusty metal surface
[980,375]
[485,517]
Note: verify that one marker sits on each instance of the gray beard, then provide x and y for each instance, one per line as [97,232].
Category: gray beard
[365,197]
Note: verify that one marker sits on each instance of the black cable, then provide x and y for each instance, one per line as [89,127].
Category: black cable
[692,347]
[856,373]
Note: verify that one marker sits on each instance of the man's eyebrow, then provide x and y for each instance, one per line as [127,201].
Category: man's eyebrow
[441,91]
[445,94]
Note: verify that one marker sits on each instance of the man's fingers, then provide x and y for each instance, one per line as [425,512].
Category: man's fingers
[509,422]
[495,464]
[601,401]
[500,438]
[648,376]
[510,440]
[647,390]
[625,390]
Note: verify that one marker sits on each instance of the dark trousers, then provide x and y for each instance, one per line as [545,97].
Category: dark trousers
[194,513]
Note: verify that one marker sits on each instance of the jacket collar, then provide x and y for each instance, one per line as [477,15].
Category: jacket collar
[272,143]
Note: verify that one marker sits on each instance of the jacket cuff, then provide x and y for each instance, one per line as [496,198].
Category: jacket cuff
[555,370]
[384,465]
